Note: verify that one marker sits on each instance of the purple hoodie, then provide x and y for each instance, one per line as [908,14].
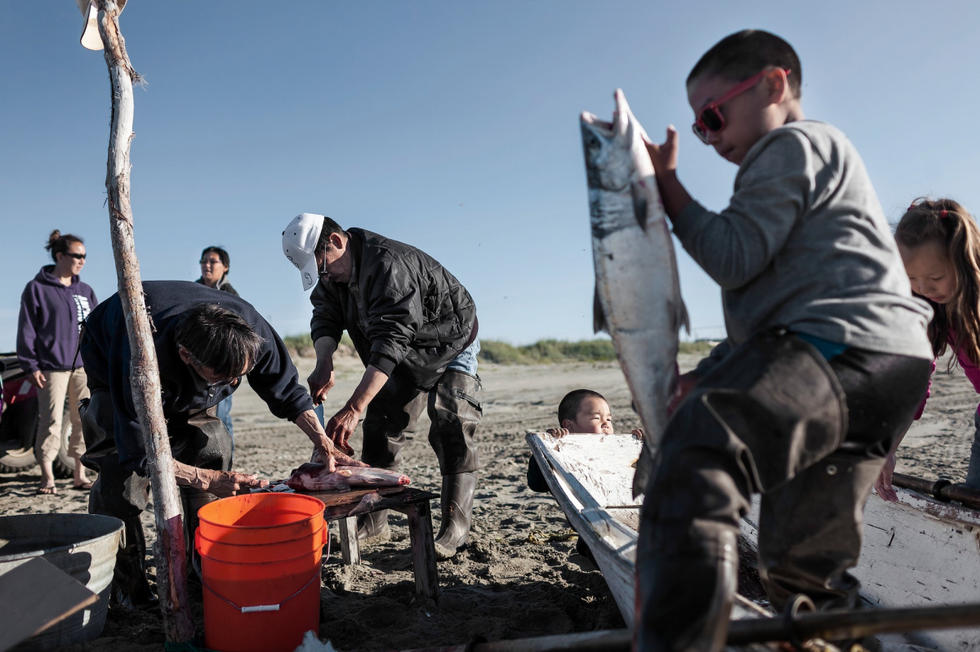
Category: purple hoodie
[51,315]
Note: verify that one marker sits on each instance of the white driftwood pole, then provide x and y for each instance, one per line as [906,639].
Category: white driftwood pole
[145,376]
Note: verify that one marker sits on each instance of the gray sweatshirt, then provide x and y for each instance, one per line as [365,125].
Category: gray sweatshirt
[804,244]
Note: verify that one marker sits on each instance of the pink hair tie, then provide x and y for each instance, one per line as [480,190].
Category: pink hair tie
[943,213]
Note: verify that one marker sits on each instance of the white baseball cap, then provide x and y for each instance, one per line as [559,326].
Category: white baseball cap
[299,244]
[91,38]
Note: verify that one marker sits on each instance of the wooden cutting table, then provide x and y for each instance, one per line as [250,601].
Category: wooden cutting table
[413,503]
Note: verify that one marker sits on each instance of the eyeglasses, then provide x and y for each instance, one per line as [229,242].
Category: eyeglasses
[204,372]
[75,256]
[211,261]
[710,118]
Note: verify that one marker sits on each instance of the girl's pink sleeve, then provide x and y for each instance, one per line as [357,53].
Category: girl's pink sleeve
[971,370]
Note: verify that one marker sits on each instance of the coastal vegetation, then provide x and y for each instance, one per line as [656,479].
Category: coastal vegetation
[547,351]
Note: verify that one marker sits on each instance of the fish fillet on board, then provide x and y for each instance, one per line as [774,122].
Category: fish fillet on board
[315,477]
[638,297]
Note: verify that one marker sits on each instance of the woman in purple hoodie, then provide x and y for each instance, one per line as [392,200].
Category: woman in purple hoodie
[52,309]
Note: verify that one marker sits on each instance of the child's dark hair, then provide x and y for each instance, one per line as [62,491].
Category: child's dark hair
[59,244]
[947,223]
[568,407]
[743,54]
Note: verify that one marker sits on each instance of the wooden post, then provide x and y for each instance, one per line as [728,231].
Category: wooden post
[145,376]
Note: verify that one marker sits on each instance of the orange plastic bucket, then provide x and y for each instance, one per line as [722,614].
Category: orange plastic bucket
[247,553]
[260,567]
[260,518]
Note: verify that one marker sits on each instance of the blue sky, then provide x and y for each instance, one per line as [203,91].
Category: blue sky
[452,126]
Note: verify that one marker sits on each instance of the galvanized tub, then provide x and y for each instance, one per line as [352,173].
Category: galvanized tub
[82,545]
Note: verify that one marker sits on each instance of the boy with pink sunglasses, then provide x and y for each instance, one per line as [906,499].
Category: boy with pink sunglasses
[825,360]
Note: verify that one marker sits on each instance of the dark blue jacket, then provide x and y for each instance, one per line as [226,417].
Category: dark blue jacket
[105,351]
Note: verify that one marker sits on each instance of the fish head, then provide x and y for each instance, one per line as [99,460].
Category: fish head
[610,147]
[607,157]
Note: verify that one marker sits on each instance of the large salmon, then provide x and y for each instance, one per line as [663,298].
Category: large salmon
[638,298]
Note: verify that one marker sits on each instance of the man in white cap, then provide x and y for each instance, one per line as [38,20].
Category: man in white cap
[414,327]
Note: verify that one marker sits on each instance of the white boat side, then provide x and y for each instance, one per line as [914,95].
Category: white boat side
[916,552]
[590,477]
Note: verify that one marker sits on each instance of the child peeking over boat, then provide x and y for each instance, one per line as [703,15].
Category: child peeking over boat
[581,411]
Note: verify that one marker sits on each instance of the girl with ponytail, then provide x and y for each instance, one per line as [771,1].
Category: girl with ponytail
[940,246]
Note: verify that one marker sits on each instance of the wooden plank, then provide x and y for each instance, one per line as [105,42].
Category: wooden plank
[423,549]
[349,549]
[36,595]
[333,498]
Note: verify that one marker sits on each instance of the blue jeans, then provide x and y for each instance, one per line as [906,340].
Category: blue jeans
[466,360]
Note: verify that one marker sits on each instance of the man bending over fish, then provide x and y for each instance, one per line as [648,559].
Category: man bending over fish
[414,327]
[205,341]
[825,360]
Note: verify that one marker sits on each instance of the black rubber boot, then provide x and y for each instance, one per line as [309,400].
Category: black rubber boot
[373,527]
[130,588]
[457,510]
[687,598]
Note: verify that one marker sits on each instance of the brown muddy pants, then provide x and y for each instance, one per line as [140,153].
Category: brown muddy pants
[773,417]
[454,410]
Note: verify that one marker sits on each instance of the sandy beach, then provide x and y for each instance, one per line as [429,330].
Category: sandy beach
[520,575]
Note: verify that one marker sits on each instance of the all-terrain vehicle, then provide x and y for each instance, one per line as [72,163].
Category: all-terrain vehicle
[18,422]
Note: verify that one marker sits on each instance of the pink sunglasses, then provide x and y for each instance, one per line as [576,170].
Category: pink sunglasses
[710,118]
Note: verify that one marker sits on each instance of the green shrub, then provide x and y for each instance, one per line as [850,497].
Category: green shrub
[547,351]
[540,352]
[698,347]
[556,351]
[302,345]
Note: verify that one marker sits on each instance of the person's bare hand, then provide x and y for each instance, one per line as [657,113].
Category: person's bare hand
[883,485]
[685,383]
[664,155]
[228,483]
[38,379]
[638,433]
[341,426]
[557,432]
[333,458]
[321,380]
[325,456]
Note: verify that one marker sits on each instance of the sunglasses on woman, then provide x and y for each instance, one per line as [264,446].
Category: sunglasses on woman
[710,119]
